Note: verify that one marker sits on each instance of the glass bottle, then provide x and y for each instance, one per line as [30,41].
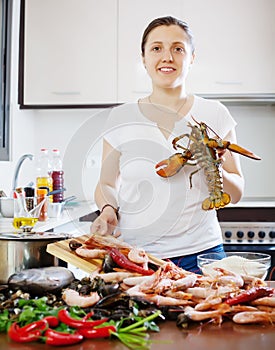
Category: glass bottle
[43,178]
[57,176]
[42,196]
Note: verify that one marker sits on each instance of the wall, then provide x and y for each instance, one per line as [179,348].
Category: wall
[75,133]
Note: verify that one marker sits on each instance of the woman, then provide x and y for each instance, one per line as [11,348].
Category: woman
[163,215]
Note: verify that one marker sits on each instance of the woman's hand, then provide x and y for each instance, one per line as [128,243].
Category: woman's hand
[105,223]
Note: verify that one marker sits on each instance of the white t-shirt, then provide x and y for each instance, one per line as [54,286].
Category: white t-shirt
[163,215]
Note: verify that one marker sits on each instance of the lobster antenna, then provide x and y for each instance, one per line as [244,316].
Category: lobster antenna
[208,127]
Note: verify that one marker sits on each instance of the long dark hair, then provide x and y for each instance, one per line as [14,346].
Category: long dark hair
[166,21]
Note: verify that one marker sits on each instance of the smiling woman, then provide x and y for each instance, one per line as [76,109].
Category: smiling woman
[5,25]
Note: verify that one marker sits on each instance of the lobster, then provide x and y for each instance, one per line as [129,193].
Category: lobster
[203,151]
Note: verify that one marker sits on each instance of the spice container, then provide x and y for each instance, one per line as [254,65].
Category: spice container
[42,197]
[29,198]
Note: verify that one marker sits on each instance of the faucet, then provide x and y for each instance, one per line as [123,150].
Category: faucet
[17,169]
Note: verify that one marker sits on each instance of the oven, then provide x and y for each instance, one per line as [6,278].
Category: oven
[250,227]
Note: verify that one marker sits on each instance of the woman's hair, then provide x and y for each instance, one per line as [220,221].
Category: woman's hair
[166,21]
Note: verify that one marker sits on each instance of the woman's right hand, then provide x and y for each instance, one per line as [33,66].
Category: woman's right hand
[105,223]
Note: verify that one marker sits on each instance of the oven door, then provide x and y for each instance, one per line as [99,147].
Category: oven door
[260,248]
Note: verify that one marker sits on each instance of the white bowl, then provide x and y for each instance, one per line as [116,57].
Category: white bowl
[243,263]
[7,207]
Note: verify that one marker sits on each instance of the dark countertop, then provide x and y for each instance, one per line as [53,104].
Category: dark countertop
[228,336]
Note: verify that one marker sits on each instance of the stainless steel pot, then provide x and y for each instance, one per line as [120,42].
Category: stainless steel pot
[26,251]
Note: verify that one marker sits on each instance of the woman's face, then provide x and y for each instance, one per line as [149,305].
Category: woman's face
[167,56]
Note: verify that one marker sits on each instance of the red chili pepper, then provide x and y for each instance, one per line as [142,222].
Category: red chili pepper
[40,325]
[250,295]
[15,333]
[53,321]
[89,314]
[121,260]
[65,317]
[53,337]
[102,332]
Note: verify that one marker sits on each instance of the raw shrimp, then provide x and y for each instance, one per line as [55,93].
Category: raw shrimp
[208,303]
[138,256]
[114,276]
[195,315]
[73,298]
[91,253]
[266,301]
[132,281]
[108,241]
[185,282]
[254,317]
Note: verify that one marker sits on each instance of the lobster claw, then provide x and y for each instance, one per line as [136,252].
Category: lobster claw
[170,166]
[244,152]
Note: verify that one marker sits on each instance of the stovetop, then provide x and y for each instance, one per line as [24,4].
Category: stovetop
[248,232]
[248,222]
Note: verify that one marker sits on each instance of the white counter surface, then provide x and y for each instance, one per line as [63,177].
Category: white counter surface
[72,212]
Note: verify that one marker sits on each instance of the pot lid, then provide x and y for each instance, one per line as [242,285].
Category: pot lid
[33,235]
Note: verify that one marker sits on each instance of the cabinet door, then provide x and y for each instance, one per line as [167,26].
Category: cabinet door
[234,43]
[235,46]
[134,16]
[70,52]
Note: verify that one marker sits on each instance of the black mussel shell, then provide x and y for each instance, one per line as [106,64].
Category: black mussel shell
[73,244]
[141,302]
[114,300]
[103,288]
[108,264]
[99,313]
[153,266]
[183,321]
[171,312]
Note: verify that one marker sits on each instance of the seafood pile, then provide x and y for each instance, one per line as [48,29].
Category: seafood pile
[217,297]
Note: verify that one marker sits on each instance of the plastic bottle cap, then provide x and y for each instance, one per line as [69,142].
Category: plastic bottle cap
[42,191]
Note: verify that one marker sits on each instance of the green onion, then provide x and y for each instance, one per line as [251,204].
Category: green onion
[134,336]
[141,322]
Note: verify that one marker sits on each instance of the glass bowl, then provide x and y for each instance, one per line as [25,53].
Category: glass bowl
[242,263]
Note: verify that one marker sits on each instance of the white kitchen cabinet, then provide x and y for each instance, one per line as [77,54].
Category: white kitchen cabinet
[88,52]
[235,46]
[234,41]
[70,52]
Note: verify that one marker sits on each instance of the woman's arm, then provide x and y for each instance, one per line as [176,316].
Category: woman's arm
[233,180]
[105,192]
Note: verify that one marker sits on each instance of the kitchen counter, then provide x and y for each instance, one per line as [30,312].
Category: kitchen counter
[228,336]
[72,212]
[204,336]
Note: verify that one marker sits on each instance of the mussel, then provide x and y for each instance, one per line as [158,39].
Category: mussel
[74,244]
[108,264]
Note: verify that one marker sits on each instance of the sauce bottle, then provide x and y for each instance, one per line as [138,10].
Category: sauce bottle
[43,177]
[42,196]
[57,176]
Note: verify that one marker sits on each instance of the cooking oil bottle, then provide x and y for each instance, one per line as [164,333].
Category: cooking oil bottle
[43,177]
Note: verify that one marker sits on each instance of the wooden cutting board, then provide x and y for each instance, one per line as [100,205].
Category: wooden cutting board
[63,252]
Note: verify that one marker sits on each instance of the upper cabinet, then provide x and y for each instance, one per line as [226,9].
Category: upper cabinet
[69,52]
[235,46]
[86,53]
